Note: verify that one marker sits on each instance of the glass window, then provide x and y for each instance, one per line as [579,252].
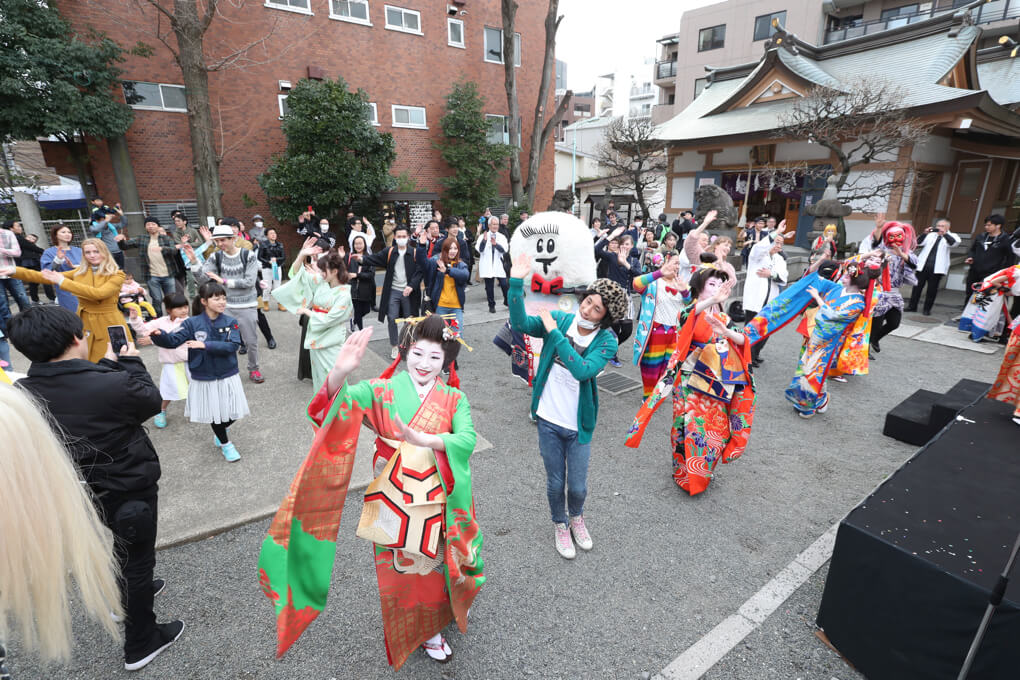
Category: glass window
[763,27]
[455,32]
[372,112]
[400,19]
[281,100]
[711,38]
[699,86]
[894,12]
[494,46]
[350,10]
[409,116]
[499,129]
[155,96]
[301,6]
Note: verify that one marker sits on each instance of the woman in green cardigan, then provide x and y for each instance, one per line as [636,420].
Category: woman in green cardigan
[564,397]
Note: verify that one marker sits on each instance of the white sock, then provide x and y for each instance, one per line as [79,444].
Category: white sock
[436,639]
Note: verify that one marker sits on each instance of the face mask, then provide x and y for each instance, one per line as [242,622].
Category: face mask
[585,324]
[401,242]
[258,224]
[324,226]
[638,225]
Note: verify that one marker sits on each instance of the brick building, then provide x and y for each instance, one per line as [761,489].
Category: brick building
[405,54]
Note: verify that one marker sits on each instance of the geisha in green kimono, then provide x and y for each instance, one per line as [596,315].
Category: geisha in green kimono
[320,292]
[418,512]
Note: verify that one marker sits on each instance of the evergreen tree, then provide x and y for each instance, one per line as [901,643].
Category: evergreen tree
[334,155]
[476,163]
[54,81]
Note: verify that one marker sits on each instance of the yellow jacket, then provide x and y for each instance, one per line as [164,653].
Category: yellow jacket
[97,303]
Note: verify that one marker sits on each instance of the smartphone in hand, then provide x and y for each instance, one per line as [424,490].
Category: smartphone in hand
[118,338]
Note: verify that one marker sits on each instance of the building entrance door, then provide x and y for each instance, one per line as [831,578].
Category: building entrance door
[968,189]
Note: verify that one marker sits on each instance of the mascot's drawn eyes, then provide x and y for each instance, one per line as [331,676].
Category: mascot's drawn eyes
[550,245]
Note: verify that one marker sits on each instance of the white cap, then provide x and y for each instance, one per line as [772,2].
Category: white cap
[222,230]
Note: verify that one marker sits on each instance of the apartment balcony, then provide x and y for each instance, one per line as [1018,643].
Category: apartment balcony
[665,71]
[990,12]
[642,92]
[663,112]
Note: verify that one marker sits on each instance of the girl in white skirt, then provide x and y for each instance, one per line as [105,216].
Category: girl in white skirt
[175,376]
[215,395]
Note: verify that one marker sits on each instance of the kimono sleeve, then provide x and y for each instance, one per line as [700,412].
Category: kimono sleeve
[460,443]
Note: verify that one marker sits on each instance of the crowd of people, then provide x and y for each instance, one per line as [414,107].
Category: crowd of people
[205,300]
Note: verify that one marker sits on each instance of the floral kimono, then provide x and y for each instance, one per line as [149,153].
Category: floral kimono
[331,307]
[832,328]
[713,401]
[986,313]
[296,562]
[1007,383]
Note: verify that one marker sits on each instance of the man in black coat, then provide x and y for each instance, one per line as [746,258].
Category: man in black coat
[100,407]
[398,284]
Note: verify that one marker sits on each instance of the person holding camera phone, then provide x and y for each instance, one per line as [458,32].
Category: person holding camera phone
[932,263]
[96,283]
[101,409]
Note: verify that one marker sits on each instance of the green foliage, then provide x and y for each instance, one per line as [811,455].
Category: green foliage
[475,162]
[334,155]
[54,81]
[248,201]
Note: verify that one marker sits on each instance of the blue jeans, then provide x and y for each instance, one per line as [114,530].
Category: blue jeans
[159,287]
[16,290]
[566,469]
[457,312]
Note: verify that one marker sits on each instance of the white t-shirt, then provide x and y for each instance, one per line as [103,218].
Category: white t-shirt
[558,403]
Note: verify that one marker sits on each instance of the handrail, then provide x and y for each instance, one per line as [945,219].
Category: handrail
[997,10]
[665,69]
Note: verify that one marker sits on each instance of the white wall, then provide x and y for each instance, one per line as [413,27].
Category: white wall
[856,230]
[681,193]
[935,150]
[732,155]
[863,180]
[689,161]
[586,168]
[801,151]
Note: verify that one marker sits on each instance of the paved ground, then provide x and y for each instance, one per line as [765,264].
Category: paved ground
[665,570]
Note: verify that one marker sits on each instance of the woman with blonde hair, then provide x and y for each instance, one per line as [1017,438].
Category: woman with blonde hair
[50,529]
[96,283]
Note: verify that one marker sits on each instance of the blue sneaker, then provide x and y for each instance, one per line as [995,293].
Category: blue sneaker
[615,363]
[160,420]
[230,452]
[216,440]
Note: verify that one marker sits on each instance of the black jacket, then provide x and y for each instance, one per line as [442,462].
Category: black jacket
[363,285]
[388,258]
[268,250]
[31,254]
[990,253]
[100,408]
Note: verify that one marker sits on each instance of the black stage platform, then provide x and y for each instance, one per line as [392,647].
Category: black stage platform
[913,565]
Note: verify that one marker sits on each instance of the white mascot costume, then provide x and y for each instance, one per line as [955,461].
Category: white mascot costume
[562,263]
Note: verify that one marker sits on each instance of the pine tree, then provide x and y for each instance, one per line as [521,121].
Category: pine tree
[476,163]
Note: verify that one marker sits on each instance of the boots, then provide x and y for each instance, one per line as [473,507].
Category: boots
[281,308]
[264,304]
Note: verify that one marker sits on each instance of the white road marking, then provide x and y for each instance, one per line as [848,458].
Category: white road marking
[710,649]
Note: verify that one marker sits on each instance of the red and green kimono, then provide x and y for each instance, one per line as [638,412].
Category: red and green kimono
[296,562]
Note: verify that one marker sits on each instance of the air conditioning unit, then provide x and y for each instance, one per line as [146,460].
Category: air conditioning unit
[284,85]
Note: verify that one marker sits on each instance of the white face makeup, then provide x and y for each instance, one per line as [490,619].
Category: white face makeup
[712,286]
[424,362]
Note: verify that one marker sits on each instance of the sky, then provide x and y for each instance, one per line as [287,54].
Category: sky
[596,34]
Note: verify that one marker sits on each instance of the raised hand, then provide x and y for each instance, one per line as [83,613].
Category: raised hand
[710,217]
[206,234]
[349,357]
[521,266]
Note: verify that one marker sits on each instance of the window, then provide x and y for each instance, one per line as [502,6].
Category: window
[699,86]
[154,96]
[400,19]
[409,116]
[892,13]
[763,27]
[711,38]
[372,113]
[494,46]
[355,11]
[455,33]
[281,100]
[499,129]
[299,6]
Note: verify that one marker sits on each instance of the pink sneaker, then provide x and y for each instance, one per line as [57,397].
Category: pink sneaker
[564,544]
[580,532]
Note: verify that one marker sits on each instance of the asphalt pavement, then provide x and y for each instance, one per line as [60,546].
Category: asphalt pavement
[665,570]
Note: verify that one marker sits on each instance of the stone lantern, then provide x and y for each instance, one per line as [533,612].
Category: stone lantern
[829,210]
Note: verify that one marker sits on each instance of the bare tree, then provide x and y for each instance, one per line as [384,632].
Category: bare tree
[524,190]
[864,123]
[635,159]
[181,25]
